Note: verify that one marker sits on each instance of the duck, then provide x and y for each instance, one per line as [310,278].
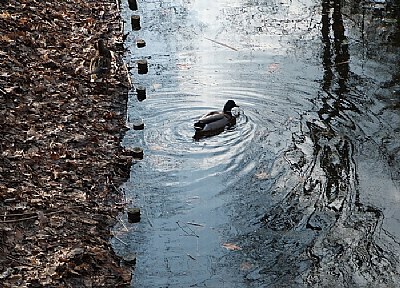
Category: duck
[215,122]
[100,65]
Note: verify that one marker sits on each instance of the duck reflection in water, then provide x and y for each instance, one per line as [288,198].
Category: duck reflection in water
[215,122]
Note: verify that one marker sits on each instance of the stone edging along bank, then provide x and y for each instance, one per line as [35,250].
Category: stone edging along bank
[61,162]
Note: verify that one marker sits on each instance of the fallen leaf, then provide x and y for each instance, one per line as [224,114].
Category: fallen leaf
[261,175]
[273,67]
[231,246]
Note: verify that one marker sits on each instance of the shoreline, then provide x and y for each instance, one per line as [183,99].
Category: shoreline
[61,158]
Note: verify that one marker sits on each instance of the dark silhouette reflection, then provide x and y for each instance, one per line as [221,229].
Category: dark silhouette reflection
[335,61]
[327,203]
[396,13]
[336,65]
[334,153]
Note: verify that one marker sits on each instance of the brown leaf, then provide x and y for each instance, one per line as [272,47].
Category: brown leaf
[261,175]
[231,246]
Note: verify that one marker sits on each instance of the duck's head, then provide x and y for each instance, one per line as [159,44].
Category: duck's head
[229,105]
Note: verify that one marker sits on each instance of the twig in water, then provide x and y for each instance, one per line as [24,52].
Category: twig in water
[122,191]
[222,44]
[126,244]
[123,224]
[187,233]
[195,224]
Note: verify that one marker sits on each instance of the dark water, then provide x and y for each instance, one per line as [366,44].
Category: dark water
[305,190]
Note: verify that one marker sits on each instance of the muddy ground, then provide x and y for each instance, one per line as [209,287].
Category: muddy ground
[61,159]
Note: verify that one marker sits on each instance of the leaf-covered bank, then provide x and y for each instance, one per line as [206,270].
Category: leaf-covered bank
[61,162]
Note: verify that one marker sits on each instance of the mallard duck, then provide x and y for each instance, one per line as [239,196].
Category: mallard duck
[100,65]
[215,122]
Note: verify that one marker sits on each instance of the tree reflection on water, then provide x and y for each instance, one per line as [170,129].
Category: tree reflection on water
[349,247]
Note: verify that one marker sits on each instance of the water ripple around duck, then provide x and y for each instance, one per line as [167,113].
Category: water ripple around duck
[169,135]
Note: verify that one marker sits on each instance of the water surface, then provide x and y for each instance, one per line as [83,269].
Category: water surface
[304,190]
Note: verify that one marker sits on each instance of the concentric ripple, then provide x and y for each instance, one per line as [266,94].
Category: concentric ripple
[169,144]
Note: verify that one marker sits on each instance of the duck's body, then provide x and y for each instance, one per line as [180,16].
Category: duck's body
[215,122]
[100,65]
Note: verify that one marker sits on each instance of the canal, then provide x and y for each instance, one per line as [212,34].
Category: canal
[304,190]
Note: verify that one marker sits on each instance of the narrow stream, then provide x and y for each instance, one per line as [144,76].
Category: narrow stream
[304,190]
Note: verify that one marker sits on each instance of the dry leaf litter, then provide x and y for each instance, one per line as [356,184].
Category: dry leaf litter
[60,157]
